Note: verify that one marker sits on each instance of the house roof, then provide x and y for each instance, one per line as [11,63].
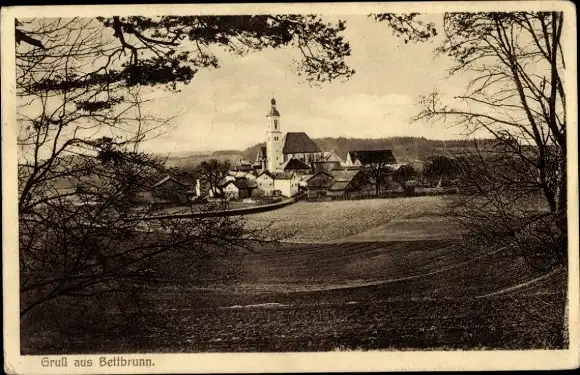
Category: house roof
[320,183]
[224,181]
[343,175]
[238,174]
[294,164]
[331,156]
[339,185]
[325,165]
[244,184]
[306,177]
[283,176]
[299,142]
[267,173]
[244,167]
[166,179]
[372,156]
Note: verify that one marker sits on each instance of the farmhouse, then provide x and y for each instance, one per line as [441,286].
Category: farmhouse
[368,157]
[265,183]
[239,189]
[326,166]
[347,182]
[244,166]
[318,184]
[286,183]
[169,190]
[248,175]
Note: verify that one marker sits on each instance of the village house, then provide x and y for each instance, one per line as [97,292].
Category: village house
[239,189]
[303,183]
[220,185]
[326,166]
[265,183]
[348,182]
[318,184]
[286,183]
[367,157]
[169,191]
[331,156]
[243,166]
[248,175]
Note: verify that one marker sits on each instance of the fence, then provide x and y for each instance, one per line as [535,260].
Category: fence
[230,212]
[349,196]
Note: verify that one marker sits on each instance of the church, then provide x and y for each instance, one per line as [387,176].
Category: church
[294,150]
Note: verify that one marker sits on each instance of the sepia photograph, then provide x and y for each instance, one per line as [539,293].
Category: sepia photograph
[360,183]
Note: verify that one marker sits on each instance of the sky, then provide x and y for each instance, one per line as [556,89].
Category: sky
[225,108]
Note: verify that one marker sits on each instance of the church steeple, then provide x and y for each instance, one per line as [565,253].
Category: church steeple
[274,138]
[273,110]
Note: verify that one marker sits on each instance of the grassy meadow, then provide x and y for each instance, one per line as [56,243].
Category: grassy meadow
[355,275]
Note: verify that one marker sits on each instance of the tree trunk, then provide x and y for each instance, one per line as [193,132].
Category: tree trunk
[562,209]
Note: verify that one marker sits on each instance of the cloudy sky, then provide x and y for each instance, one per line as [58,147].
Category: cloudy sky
[225,108]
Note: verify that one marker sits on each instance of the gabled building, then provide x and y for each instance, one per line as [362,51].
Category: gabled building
[286,183]
[244,166]
[326,166]
[239,189]
[169,190]
[265,183]
[318,184]
[348,181]
[298,145]
[367,157]
[331,156]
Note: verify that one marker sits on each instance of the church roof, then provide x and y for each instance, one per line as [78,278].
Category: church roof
[299,142]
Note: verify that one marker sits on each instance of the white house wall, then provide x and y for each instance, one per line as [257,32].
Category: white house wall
[288,188]
[265,183]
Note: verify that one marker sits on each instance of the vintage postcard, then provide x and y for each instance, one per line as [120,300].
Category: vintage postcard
[290,187]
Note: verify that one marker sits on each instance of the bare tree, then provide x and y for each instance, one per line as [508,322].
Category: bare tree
[516,94]
[85,226]
[377,172]
[403,175]
[211,172]
[439,170]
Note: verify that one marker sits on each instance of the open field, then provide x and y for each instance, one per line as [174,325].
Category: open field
[360,220]
[374,284]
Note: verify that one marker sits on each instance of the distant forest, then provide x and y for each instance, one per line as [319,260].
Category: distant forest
[406,149]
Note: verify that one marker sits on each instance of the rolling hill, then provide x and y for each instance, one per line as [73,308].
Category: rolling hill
[406,149]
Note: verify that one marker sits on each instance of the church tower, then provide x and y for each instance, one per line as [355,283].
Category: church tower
[274,139]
